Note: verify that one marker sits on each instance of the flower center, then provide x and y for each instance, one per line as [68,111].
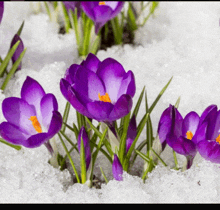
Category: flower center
[104,98]
[35,124]
[189,135]
[218,139]
[101,3]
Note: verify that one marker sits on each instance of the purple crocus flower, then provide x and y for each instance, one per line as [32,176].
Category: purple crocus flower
[117,169]
[84,136]
[99,90]
[101,11]
[180,134]
[72,5]
[1,10]
[131,133]
[18,51]
[209,145]
[32,119]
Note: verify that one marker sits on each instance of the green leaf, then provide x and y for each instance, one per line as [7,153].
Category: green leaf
[131,18]
[94,138]
[8,57]
[68,139]
[96,44]
[136,109]
[13,69]
[65,116]
[70,158]
[177,103]
[122,145]
[117,30]
[66,18]
[161,160]
[17,147]
[142,155]
[159,96]
[20,29]
[94,155]
[103,174]
[83,162]
[128,155]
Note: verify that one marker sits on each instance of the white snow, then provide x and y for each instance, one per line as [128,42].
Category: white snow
[182,40]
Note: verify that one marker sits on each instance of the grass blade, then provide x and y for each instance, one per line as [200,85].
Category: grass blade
[83,162]
[13,69]
[17,147]
[159,96]
[65,116]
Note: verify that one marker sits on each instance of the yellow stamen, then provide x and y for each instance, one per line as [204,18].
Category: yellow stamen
[104,98]
[189,135]
[35,124]
[101,3]
[218,139]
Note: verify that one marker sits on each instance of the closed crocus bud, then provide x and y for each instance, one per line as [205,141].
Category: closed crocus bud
[99,90]
[117,169]
[101,11]
[131,133]
[18,51]
[1,10]
[84,136]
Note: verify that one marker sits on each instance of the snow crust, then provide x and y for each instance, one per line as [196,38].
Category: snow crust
[182,40]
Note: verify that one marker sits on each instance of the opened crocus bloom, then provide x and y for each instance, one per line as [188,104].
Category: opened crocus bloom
[180,134]
[209,145]
[101,11]
[32,119]
[99,90]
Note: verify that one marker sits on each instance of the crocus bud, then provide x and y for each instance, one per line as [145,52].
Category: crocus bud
[117,169]
[84,136]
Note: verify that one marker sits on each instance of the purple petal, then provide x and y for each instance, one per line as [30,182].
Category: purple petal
[18,112]
[71,72]
[200,134]
[1,10]
[127,85]
[18,51]
[132,128]
[91,62]
[32,92]
[48,105]
[84,136]
[208,110]
[12,133]
[88,84]
[121,108]
[210,150]
[165,124]
[117,169]
[35,140]
[111,72]
[214,127]
[181,145]
[55,124]
[102,13]
[100,110]
[190,123]
[70,5]
[116,9]
[88,6]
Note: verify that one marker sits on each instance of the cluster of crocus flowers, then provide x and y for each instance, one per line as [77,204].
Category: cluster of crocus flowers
[191,134]
[32,119]
[99,90]
[101,11]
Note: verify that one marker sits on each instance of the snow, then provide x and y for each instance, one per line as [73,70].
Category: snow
[182,40]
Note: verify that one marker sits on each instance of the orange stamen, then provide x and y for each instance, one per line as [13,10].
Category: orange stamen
[35,124]
[101,3]
[218,139]
[104,98]
[189,135]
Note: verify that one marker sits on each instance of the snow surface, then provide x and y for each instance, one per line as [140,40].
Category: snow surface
[182,40]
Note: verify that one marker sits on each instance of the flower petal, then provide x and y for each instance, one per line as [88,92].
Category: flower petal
[88,6]
[112,73]
[117,169]
[12,133]
[190,123]
[32,92]
[55,124]
[121,108]
[210,150]
[100,110]
[18,112]
[35,140]
[1,10]
[91,62]
[88,84]
[48,105]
